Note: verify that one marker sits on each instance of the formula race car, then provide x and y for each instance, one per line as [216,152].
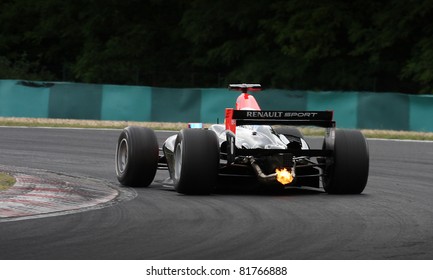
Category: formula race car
[253,143]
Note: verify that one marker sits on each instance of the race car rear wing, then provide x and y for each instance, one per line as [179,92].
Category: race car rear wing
[297,118]
[245,87]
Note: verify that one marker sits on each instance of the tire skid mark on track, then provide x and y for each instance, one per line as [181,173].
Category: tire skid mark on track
[43,194]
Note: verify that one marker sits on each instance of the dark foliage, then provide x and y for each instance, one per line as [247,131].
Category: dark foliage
[292,44]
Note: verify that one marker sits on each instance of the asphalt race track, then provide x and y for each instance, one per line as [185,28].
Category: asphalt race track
[392,219]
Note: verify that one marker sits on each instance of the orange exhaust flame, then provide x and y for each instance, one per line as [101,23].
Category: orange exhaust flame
[284,176]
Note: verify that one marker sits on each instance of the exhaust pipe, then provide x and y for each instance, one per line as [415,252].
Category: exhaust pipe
[267,179]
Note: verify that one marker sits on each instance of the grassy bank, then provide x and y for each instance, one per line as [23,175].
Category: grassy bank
[35,122]
[6,181]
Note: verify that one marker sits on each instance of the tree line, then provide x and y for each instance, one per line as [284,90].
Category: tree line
[290,44]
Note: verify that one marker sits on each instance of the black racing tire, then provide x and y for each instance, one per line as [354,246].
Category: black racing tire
[288,130]
[349,172]
[137,156]
[196,161]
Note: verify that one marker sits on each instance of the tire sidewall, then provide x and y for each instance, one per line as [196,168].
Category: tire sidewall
[200,160]
[142,156]
[124,136]
[348,173]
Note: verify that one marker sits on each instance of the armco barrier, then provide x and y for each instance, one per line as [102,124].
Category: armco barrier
[139,103]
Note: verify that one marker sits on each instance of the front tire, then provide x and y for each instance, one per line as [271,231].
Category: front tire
[137,156]
[349,172]
[196,161]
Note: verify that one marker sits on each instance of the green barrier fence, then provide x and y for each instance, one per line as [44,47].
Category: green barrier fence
[17,100]
[421,113]
[383,111]
[344,105]
[179,105]
[75,101]
[126,103]
[393,111]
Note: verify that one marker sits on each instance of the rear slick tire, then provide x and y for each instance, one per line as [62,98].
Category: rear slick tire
[196,161]
[137,156]
[349,172]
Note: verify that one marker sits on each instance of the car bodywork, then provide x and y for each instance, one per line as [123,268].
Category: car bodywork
[268,146]
[250,146]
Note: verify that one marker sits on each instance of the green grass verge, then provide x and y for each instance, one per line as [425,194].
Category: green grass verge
[6,181]
[380,134]
[35,122]
[69,123]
